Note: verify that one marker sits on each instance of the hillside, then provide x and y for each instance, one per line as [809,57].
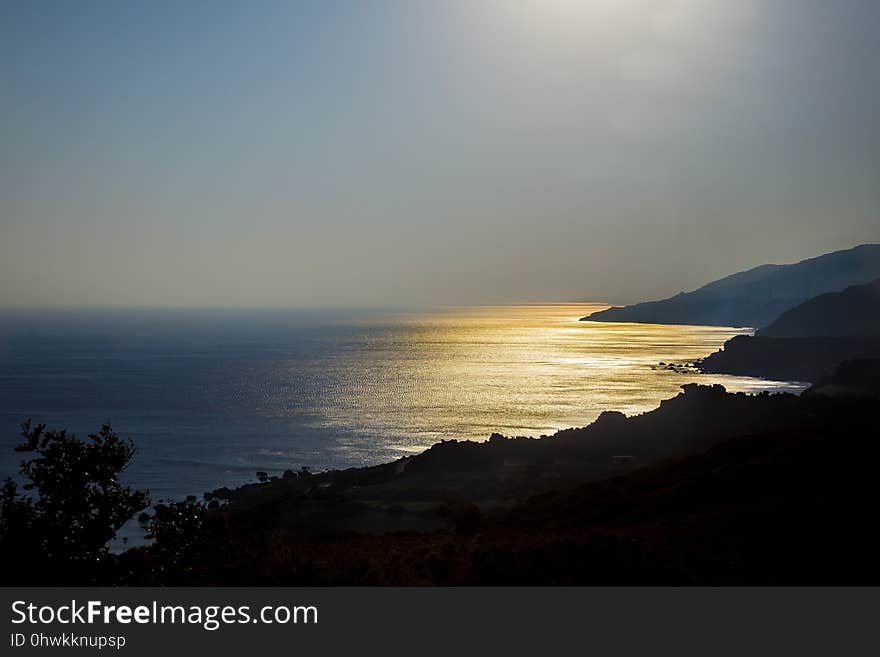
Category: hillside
[709,488]
[807,342]
[757,296]
[787,359]
[853,313]
[857,377]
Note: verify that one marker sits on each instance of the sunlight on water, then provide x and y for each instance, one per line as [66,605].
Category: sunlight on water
[517,370]
[209,397]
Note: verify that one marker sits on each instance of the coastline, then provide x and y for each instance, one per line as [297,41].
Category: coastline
[579,487]
[211,400]
[333,480]
[805,359]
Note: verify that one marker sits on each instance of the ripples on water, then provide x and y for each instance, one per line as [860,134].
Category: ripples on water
[210,397]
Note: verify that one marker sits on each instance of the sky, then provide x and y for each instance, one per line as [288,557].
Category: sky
[370,153]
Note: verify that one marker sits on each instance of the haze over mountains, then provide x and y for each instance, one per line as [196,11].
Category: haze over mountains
[756,297]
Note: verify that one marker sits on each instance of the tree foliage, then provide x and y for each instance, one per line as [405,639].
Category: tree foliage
[73,503]
[179,532]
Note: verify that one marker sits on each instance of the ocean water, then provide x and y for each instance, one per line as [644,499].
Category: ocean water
[209,397]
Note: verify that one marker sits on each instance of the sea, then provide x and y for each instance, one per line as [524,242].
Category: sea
[210,397]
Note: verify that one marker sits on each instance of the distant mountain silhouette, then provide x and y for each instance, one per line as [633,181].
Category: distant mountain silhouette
[853,313]
[757,296]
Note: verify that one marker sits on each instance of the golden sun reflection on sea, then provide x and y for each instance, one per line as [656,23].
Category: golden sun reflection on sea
[520,370]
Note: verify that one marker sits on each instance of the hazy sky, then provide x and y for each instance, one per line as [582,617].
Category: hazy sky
[400,153]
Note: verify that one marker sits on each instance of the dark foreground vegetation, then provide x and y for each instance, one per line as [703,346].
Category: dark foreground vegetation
[710,487]
[56,529]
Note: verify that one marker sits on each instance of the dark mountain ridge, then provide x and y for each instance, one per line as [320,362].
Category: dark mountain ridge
[787,359]
[757,296]
[807,342]
[853,313]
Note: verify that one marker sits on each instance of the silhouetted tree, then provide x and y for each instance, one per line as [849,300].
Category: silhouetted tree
[179,535]
[57,531]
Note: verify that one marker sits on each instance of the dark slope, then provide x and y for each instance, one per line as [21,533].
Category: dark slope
[731,489]
[807,342]
[859,377]
[853,313]
[787,359]
[757,296]
[773,506]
